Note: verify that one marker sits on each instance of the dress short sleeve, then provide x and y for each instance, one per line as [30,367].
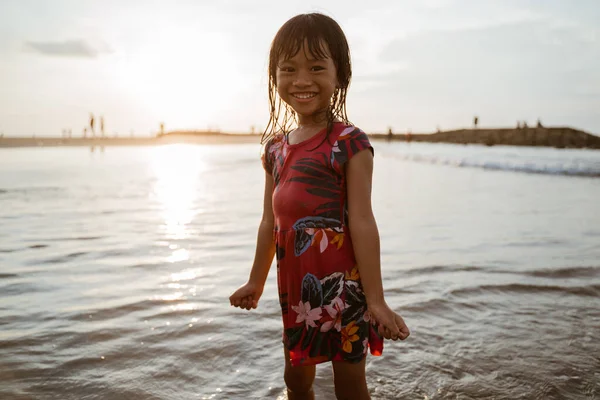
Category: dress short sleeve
[266,156]
[351,141]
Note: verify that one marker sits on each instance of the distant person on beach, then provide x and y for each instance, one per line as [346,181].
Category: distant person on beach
[475,122]
[102,127]
[539,123]
[390,134]
[317,217]
[92,125]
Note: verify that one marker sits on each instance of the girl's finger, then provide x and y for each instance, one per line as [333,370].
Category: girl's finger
[387,333]
[380,330]
[393,328]
[404,331]
[244,303]
[249,302]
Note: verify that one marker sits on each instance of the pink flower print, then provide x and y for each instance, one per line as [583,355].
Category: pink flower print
[345,132]
[276,146]
[305,313]
[335,312]
[319,237]
[336,147]
[367,316]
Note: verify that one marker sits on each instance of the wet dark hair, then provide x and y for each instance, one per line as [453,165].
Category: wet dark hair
[316,30]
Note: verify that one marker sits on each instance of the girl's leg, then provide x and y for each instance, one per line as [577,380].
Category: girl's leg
[350,380]
[299,380]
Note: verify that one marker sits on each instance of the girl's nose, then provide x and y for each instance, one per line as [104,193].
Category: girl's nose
[302,80]
[301,83]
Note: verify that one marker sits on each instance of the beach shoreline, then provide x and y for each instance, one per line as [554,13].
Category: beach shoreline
[557,137]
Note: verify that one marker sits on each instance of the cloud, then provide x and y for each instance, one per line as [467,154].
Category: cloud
[527,55]
[67,48]
[514,71]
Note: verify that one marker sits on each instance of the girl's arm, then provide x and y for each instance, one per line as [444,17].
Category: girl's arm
[365,240]
[265,243]
[247,295]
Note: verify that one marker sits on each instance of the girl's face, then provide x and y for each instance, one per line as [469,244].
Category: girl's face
[307,84]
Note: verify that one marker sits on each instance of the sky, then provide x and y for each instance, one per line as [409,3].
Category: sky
[195,64]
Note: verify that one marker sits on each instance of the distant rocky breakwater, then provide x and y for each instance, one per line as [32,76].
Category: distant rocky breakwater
[559,137]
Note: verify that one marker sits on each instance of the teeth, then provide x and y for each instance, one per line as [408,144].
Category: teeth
[304,95]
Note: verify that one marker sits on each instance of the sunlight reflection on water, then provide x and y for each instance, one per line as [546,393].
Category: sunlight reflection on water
[178,170]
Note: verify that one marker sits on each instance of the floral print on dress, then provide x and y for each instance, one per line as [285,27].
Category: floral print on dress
[323,305]
[332,326]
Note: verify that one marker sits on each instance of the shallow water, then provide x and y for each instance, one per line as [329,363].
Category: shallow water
[116,266]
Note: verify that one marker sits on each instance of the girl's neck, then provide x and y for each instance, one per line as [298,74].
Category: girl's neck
[311,125]
[316,120]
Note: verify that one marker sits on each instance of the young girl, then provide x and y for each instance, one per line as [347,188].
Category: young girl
[317,215]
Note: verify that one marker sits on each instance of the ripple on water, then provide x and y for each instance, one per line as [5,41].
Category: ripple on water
[586,291]
[62,259]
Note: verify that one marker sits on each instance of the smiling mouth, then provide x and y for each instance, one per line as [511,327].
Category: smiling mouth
[304,95]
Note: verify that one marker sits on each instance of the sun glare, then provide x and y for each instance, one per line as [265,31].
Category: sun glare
[177,169]
[182,76]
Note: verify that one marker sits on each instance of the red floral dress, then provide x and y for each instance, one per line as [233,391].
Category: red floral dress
[323,306]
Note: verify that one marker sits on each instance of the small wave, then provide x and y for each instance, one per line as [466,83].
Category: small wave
[590,290]
[531,168]
[539,243]
[571,272]
[8,250]
[65,258]
[38,246]
[101,314]
[429,305]
[20,288]
[33,189]
[435,269]
[5,276]
[148,265]
[76,238]
[111,253]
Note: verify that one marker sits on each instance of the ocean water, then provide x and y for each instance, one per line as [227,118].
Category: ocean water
[116,268]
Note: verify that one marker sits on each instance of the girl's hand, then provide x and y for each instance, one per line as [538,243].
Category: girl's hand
[391,324]
[246,296]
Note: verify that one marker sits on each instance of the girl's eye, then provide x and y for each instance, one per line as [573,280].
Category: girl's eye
[286,69]
[317,68]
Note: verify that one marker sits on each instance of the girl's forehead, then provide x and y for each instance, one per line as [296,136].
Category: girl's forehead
[304,51]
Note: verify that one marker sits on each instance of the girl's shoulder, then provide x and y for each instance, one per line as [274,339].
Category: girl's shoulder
[348,140]
[273,143]
[343,131]
[269,149]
